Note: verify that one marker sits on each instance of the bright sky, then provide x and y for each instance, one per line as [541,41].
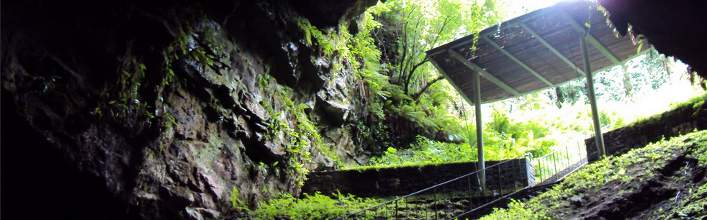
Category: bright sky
[514,8]
[677,89]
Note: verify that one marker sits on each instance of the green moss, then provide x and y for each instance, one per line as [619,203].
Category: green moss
[204,46]
[316,206]
[168,122]
[209,153]
[132,73]
[403,165]
[315,37]
[695,104]
[236,202]
[289,119]
[642,162]
[359,52]
[178,49]
[693,206]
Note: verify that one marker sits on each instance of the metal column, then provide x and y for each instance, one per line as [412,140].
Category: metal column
[592,98]
[479,131]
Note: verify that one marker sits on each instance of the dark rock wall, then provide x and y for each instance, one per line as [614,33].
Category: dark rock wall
[675,28]
[36,176]
[679,121]
[167,108]
[510,174]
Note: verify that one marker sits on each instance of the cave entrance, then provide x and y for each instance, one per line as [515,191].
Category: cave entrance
[539,50]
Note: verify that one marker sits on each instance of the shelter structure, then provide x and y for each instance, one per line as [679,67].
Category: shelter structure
[538,50]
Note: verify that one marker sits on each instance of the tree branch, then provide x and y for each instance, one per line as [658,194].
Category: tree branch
[429,84]
[414,68]
[444,25]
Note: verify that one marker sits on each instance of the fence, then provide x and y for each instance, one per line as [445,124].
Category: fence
[446,201]
[547,167]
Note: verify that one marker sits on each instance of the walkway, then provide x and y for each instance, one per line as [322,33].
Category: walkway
[441,201]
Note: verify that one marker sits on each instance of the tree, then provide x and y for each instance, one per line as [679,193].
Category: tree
[427,24]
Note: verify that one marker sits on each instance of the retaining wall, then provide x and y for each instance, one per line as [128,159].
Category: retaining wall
[672,123]
[400,181]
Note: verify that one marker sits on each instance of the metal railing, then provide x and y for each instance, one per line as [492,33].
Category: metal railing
[554,165]
[445,199]
[550,168]
[461,195]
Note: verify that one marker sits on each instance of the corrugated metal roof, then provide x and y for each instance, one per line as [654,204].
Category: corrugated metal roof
[538,50]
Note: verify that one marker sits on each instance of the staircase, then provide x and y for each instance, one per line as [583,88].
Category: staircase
[526,193]
[439,202]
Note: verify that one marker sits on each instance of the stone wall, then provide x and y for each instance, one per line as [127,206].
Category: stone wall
[672,123]
[405,180]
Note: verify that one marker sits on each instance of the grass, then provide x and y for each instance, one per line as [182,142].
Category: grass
[404,165]
[694,103]
[316,206]
[638,165]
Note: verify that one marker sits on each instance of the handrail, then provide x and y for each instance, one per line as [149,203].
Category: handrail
[492,201]
[423,190]
[544,167]
[569,169]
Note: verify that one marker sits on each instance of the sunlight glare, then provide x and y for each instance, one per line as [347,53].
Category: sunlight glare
[515,8]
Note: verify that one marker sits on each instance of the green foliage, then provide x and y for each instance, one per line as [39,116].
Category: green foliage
[298,137]
[236,202]
[516,210]
[432,111]
[694,103]
[385,94]
[417,93]
[358,51]
[637,165]
[510,139]
[327,42]
[315,206]
[424,151]
[504,138]
[202,46]
[367,59]
[125,95]
[646,72]
[289,120]
[692,207]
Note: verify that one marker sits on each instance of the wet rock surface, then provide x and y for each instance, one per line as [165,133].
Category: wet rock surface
[646,199]
[327,13]
[167,106]
[679,31]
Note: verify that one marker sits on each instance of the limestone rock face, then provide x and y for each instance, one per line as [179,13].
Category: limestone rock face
[180,110]
[679,30]
[326,13]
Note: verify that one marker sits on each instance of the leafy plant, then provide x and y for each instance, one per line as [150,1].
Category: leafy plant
[236,202]
[316,206]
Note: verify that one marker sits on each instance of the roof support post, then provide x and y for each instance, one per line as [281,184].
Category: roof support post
[480,71]
[592,40]
[479,132]
[517,61]
[598,138]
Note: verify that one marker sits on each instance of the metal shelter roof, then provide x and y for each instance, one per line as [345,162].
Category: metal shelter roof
[538,50]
